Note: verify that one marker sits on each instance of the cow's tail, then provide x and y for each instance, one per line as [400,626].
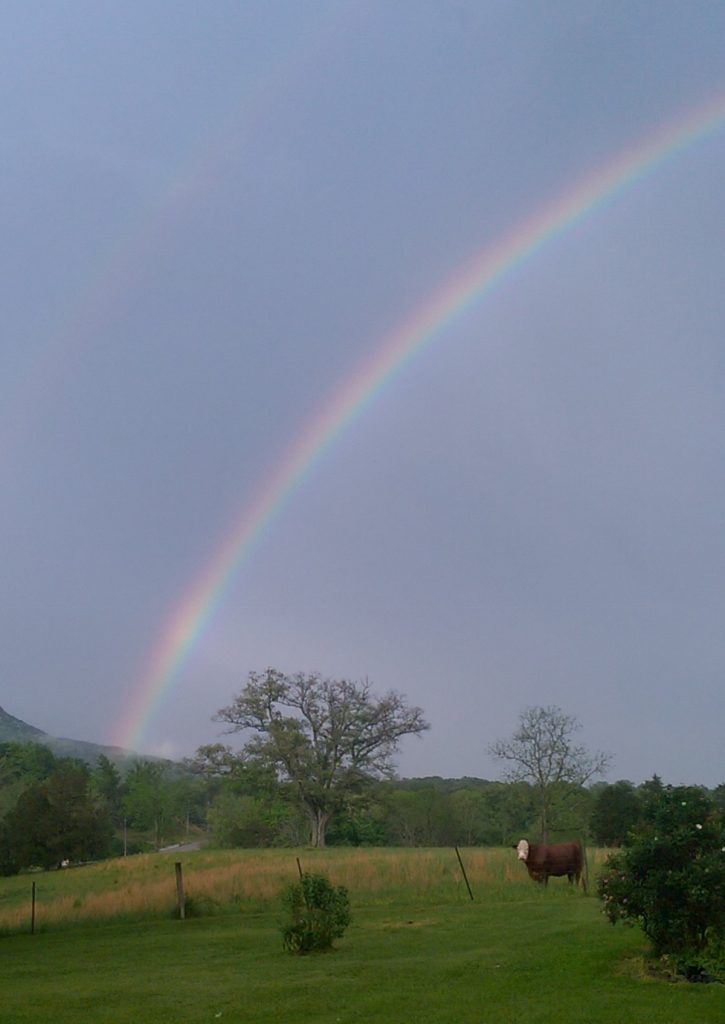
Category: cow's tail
[585,866]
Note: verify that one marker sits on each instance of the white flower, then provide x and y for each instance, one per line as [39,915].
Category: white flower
[698,826]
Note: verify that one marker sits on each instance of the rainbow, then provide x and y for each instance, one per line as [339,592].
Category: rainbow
[469,286]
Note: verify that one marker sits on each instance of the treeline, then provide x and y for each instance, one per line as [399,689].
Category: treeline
[438,812]
[55,810]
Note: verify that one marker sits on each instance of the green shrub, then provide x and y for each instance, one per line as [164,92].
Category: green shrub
[320,912]
[670,879]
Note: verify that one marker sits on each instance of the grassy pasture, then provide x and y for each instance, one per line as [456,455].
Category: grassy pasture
[417,951]
[144,885]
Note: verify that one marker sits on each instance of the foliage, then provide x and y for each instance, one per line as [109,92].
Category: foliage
[245,803]
[542,752]
[616,810]
[319,911]
[9,863]
[224,769]
[106,783]
[718,798]
[21,765]
[670,877]
[329,738]
[57,820]
[422,817]
[366,825]
[249,821]
[146,798]
[158,798]
[30,761]
[162,804]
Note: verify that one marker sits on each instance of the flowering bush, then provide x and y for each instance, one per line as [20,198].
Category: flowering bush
[670,878]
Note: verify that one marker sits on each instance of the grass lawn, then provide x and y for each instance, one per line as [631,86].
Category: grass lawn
[533,956]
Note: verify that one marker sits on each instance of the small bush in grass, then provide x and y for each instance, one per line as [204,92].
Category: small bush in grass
[670,879]
[319,911]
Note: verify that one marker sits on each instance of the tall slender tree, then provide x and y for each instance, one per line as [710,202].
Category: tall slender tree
[542,752]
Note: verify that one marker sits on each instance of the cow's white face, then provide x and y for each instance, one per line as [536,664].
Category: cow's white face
[522,850]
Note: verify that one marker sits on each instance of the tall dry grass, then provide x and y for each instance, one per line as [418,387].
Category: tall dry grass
[219,881]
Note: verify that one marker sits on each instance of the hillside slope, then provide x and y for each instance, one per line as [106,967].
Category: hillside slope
[14,730]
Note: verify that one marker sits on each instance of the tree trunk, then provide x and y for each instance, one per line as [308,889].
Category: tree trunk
[318,822]
[544,817]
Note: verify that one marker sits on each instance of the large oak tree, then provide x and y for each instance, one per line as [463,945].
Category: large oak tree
[328,737]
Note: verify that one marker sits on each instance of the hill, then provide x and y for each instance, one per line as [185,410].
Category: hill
[14,730]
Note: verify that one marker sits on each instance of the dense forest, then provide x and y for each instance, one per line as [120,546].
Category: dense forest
[58,809]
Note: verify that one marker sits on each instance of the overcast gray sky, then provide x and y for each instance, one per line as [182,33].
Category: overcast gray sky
[213,213]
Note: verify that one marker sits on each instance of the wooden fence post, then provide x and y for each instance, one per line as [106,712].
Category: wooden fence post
[180,890]
[32,911]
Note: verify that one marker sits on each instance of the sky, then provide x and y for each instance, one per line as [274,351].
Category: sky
[215,216]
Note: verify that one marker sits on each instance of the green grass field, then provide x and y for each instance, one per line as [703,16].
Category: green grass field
[418,949]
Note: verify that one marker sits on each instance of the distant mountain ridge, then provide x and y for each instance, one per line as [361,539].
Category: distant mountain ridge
[14,730]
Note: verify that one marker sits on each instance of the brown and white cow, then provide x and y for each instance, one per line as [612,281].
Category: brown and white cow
[556,859]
